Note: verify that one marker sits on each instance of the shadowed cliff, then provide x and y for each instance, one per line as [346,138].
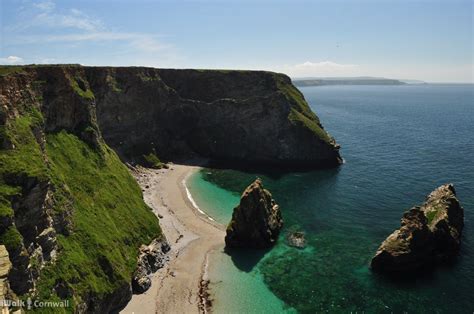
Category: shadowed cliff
[234,117]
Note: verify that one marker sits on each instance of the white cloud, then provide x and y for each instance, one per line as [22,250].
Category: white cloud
[44,14]
[11,60]
[324,65]
[74,26]
[46,5]
[139,41]
[319,69]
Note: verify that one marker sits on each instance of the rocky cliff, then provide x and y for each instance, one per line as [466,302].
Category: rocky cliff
[233,117]
[256,221]
[428,234]
[66,199]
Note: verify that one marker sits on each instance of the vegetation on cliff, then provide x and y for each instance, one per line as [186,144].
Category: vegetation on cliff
[97,217]
[110,220]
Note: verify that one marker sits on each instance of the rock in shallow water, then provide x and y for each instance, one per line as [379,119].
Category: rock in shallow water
[256,221]
[429,233]
[296,239]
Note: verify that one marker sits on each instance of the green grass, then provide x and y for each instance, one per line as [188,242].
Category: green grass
[299,119]
[11,238]
[9,69]
[300,112]
[430,216]
[24,160]
[433,213]
[83,92]
[152,161]
[114,84]
[26,157]
[110,219]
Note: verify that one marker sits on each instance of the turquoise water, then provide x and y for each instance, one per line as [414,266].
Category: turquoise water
[399,143]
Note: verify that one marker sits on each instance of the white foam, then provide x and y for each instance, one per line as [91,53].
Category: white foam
[191,199]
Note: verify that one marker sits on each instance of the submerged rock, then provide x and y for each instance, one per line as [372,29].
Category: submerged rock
[256,221]
[296,239]
[429,233]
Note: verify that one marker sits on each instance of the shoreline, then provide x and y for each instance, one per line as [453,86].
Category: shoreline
[182,284]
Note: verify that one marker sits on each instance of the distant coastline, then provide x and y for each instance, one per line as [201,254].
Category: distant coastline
[364,80]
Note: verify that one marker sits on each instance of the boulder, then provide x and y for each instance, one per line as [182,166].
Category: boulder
[428,234]
[151,258]
[256,221]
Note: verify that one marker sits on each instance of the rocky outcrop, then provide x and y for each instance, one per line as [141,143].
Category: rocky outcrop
[5,267]
[256,221]
[151,258]
[6,294]
[429,233]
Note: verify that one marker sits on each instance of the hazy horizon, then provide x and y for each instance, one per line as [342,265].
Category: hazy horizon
[407,40]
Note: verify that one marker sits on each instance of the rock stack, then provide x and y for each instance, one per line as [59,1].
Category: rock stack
[428,234]
[256,221]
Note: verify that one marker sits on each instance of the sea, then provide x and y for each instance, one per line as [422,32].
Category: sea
[398,143]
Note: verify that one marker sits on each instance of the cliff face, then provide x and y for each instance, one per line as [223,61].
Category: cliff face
[428,233]
[65,197]
[228,116]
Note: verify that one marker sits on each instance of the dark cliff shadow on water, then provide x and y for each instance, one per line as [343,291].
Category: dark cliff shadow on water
[273,171]
[246,259]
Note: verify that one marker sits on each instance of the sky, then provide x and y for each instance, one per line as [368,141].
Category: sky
[420,39]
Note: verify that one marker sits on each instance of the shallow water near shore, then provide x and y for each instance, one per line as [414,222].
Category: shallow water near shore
[399,143]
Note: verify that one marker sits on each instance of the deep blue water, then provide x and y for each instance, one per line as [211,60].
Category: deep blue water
[398,143]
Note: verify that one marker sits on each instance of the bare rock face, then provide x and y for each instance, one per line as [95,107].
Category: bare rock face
[231,117]
[151,258]
[5,267]
[429,233]
[256,221]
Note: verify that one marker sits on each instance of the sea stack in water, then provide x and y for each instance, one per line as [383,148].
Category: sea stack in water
[429,233]
[256,221]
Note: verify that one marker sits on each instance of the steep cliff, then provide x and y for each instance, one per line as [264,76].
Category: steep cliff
[71,216]
[246,117]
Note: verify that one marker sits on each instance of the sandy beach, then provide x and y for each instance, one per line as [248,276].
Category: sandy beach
[179,287]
